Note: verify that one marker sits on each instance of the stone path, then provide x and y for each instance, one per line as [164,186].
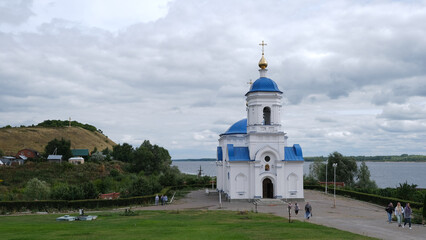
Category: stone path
[349,215]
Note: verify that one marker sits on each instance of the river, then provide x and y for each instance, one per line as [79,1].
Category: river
[386,174]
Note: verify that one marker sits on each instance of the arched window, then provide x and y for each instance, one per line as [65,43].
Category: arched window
[267,167]
[266,116]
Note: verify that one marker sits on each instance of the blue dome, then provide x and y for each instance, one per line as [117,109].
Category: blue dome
[239,127]
[264,84]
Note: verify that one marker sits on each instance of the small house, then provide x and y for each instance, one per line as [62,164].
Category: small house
[27,153]
[54,158]
[80,153]
[6,161]
[109,196]
[76,160]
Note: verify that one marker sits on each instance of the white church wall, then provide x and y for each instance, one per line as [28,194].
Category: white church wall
[239,180]
[292,178]
[219,175]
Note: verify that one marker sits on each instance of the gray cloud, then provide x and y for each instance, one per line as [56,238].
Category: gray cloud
[15,12]
[350,72]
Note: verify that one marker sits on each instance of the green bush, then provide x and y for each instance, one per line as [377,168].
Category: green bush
[424,207]
[60,205]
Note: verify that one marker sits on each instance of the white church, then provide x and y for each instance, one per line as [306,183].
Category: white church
[253,159]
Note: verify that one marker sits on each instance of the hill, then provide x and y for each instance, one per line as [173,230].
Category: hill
[14,139]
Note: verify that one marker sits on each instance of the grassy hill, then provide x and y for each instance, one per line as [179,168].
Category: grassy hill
[14,139]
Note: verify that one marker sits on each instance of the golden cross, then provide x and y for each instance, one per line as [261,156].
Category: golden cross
[263,44]
[251,82]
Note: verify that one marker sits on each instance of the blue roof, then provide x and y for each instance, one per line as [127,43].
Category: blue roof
[264,84]
[239,127]
[238,153]
[293,153]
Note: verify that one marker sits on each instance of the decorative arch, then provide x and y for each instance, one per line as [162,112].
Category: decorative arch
[241,183]
[292,181]
[266,150]
[266,116]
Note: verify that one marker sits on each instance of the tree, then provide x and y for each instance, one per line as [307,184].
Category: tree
[346,168]
[1,153]
[151,159]
[171,177]
[345,171]
[317,171]
[89,190]
[65,191]
[144,185]
[37,190]
[122,152]
[406,191]
[63,147]
[363,178]
[97,157]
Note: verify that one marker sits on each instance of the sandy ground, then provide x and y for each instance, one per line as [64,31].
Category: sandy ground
[349,215]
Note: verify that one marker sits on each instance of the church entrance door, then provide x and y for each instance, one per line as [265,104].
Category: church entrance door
[268,188]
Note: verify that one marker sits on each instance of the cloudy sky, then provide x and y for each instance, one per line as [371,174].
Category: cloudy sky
[175,72]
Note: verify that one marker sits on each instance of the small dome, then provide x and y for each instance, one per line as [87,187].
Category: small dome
[264,84]
[239,127]
[263,63]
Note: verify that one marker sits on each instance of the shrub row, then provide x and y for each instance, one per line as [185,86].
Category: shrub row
[60,205]
[48,205]
[380,200]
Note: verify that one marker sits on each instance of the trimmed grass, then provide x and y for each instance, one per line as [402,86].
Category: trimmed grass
[168,225]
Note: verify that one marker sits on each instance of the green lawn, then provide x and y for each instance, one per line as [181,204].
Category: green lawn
[168,225]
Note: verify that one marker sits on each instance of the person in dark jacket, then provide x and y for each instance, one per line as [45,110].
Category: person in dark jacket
[296,208]
[308,210]
[389,209]
[407,215]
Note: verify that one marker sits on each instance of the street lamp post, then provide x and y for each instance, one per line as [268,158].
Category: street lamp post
[326,180]
[334,166]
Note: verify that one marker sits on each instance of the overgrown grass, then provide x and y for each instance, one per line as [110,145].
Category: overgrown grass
[168,225]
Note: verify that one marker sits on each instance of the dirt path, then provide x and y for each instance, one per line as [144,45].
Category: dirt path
[349,215]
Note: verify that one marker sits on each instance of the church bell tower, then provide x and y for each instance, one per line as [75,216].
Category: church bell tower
[263,102]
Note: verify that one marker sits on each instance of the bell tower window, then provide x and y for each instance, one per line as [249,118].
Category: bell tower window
[266,116]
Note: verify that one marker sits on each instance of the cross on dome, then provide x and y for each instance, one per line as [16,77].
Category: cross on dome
[263,63]
[263,44]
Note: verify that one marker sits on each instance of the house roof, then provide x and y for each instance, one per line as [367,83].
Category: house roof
[293,153]
[54,157]
[80,152]
[238,153]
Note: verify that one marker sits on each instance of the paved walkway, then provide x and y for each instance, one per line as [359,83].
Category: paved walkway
[349,215]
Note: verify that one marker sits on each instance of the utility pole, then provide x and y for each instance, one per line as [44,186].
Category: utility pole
[326,180]
[334,166]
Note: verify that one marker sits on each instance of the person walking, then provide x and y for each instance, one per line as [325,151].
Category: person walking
[156,199]
[407,215]
[308,210]
[296,208]
[389,209]
[162,199]
[399,210]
